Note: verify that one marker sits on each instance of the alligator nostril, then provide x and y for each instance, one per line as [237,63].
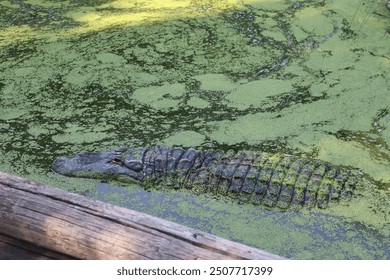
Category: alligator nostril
[58,164]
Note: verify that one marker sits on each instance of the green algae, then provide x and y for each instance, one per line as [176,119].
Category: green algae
[185,139]
[277,5]
[313,21]
[9,114]
[215,82]
[161,97]
[79,138]
[307,75]
[198,103]
[257,93]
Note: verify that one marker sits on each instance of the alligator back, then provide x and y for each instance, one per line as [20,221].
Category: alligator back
[274,180]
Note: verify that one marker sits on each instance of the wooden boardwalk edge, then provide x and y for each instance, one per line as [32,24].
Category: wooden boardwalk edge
[41,222]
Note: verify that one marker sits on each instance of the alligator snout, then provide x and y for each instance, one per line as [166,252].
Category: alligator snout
[104,165]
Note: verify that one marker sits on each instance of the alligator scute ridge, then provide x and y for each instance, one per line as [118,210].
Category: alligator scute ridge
[273,180]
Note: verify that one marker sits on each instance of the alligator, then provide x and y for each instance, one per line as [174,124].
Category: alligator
[271,179]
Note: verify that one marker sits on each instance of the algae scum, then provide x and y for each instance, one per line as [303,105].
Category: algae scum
[303,77]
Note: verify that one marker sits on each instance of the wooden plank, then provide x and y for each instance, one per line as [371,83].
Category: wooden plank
[83,228]
[11,248]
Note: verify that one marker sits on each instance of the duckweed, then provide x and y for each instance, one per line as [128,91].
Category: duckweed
[303,77]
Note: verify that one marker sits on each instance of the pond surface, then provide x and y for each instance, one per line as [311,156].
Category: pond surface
[302,77]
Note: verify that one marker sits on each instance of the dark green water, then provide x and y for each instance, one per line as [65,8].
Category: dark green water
[302,77]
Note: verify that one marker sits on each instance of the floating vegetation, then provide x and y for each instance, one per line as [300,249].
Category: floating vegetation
[299,77]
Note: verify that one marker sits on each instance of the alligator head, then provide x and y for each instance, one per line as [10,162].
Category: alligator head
[123,165]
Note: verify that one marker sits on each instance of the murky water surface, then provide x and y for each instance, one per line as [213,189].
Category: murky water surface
[302,77]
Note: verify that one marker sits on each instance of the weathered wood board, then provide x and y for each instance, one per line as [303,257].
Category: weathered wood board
[41,222]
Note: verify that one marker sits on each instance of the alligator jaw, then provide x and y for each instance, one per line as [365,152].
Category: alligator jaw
[103,165]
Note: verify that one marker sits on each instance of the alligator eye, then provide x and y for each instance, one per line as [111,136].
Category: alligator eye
[115,161]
